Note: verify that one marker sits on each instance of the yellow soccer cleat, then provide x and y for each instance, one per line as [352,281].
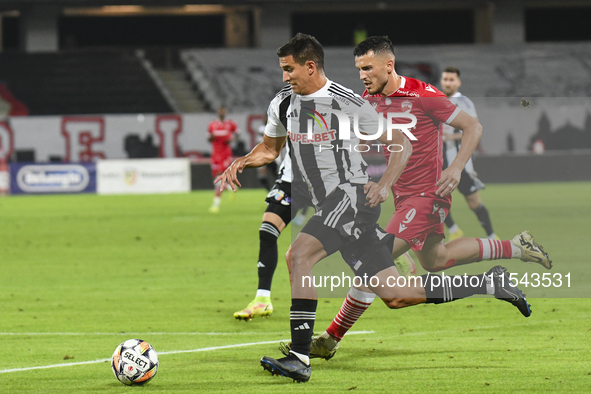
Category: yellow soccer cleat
[531,252]
[405,265]
[260,306]
[214,209]
[322,346]
[456,235]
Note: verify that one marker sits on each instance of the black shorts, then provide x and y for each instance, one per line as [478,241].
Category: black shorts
[469,184]
[280,201]
[344,223]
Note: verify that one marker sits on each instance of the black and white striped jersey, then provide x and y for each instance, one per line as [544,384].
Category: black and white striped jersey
[325,157]
[285,173]
[452,147]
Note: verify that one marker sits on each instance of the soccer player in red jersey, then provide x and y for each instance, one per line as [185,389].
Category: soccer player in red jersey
[422,193]
[222,132]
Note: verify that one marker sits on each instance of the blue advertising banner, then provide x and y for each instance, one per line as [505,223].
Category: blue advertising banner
[52,178]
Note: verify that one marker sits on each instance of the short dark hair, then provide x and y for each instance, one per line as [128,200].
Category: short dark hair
[377,44]
[303,48]
[452,70]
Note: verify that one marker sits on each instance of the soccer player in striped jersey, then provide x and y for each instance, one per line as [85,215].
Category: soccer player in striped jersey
[347,204]
[422,193]
[469,184]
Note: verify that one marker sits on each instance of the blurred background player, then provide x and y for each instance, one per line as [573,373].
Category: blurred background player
[452,137]
[222,132]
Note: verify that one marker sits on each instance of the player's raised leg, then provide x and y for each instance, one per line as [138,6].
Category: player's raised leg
[429,288]
[437,256]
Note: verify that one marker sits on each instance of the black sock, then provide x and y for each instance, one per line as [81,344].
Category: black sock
[301,319]
[446,288]
[482,215]
[449,221]
[268,235]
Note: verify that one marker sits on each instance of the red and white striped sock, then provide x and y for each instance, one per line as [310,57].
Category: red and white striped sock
[491,249]
[355,304]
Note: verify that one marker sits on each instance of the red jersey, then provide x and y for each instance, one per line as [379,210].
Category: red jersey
[222,132]
[431,108]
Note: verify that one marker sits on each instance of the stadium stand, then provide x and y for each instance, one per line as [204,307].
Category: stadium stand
[81,82]
[248,78]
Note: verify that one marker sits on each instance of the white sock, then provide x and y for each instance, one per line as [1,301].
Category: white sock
[263,293]
[216,201]
[304,359]
[361,295]
[516,251]
[454,228]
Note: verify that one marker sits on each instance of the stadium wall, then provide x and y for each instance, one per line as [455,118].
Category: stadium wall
[73,139]
[86,138]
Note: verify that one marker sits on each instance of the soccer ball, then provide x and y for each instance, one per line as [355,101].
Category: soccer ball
[134,362]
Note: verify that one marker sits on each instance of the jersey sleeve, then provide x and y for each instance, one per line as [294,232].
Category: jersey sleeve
[210,128]
[274,127]
[440,108]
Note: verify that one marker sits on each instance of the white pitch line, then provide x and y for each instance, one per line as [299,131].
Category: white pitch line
[32,334]
[203,349]
[145,334]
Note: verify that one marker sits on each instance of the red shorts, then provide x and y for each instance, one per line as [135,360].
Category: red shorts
[219,164]
[418,217]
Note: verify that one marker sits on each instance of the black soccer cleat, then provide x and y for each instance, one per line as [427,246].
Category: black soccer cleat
[290,367]
[505,290]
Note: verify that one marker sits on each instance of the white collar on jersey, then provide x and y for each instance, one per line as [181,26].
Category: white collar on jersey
[402,82]
[457,94]
[321,92]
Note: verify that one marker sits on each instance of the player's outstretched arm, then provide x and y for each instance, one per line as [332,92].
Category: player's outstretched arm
[262,154]
[377,193]
[472,130]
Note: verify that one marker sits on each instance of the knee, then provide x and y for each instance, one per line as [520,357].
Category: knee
[295,258]
[474,202]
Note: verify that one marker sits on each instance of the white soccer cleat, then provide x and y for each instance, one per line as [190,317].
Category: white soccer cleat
[531,252]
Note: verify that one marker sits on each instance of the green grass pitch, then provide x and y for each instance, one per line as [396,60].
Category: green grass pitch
[80,274]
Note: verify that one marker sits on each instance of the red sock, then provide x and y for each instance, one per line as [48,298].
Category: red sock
[491,249]
[354,305]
